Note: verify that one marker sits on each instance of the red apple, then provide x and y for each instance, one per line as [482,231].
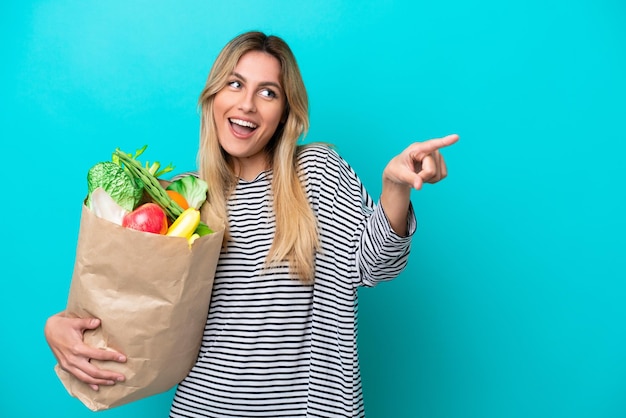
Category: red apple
[148,217]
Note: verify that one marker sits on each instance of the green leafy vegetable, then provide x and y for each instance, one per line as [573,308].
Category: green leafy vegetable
[124,189]
[193,189]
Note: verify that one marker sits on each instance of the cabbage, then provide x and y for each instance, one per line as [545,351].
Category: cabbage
[103,206]
[193,189]
[123,189]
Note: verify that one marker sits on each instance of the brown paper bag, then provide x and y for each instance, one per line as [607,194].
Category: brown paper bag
[152,294]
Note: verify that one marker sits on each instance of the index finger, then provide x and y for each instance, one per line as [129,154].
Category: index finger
[433,145]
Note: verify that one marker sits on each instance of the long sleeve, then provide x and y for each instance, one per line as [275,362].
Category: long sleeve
[353,228]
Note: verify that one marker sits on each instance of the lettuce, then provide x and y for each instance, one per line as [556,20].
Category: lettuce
[193,189]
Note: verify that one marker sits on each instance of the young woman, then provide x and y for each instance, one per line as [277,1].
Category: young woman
[303,234]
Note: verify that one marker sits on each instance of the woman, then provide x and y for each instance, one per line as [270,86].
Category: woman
[303,235]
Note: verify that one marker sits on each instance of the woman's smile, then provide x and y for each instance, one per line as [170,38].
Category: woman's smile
[242,128]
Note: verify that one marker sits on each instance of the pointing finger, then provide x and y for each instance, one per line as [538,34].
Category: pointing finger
[433,145]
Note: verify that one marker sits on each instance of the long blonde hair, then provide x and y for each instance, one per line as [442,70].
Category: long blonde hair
[296,238]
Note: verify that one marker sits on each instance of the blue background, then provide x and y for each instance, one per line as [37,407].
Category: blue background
[513,303]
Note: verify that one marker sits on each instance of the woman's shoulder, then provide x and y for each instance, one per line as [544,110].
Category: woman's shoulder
[320,163]
[317,153]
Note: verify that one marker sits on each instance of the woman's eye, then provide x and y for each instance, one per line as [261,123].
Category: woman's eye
[268,93]
[234,84]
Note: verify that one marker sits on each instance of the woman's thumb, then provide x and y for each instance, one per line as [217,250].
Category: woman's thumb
[90,323]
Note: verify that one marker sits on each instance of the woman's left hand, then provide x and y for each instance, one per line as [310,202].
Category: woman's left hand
[419,163]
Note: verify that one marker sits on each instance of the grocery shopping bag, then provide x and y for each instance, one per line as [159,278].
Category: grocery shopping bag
[151,293]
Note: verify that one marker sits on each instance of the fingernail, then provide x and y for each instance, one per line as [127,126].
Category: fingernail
[121,358]
[120,379]
[94,387]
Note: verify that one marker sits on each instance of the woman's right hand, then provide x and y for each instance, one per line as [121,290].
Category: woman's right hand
[65,337]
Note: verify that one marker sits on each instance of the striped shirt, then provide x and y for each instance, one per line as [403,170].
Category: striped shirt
[273,347]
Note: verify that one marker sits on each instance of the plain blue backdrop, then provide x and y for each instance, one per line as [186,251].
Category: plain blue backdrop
[513,303]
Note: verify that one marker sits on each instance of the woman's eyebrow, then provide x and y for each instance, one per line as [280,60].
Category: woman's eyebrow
[263,83]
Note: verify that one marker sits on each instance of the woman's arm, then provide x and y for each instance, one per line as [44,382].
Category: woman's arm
[65,337]
[420,162]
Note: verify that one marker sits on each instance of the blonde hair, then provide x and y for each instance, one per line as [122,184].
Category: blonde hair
[296,239]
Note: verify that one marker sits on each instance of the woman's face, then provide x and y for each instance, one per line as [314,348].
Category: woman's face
[247,111]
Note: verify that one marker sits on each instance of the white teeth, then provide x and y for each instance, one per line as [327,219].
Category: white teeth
[243,123]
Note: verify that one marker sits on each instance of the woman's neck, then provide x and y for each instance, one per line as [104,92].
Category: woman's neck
[249,168]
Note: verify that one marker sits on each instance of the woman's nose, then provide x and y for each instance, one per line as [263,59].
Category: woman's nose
[247,103]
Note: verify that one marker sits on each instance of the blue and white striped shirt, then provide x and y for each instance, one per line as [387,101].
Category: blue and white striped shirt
[272,346]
